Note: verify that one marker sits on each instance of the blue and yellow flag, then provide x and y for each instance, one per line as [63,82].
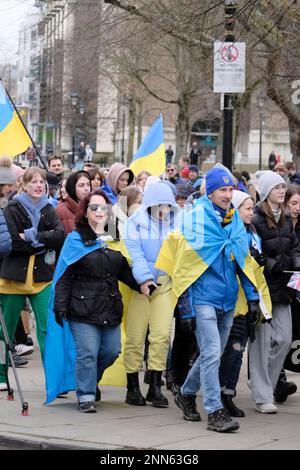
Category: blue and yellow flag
[190,250]
[151,153]
[60,350]
[13,136]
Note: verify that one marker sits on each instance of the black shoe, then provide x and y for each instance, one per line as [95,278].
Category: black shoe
[154,394]
[62,395]
[230,408]
[169,379]
[19,361]
[219,421]
[188,405]
[283,390]
[87,407]
[134,396]
[29,341]
[98,394]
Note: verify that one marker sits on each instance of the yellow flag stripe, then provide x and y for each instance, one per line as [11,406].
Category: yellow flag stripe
[154,162]
[14,139]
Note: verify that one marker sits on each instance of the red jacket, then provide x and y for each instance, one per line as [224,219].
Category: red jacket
[66,211]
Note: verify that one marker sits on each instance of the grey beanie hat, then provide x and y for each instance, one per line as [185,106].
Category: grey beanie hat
[7,175]
[239,197]
[267,180]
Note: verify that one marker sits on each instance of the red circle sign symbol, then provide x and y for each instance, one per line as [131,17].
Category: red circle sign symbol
[229,53]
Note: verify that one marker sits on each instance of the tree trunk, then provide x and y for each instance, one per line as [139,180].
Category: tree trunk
[131,130]
[182,127]
[139,122]
[294,129]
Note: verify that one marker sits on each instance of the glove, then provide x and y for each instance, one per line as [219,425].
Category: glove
[260,259]
[187,325]
[254,316]
[60,317]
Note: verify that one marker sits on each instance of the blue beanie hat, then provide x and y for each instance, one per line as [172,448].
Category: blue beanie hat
[194,168]
[218,177]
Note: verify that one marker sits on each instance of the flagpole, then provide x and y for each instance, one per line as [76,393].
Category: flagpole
[36,148]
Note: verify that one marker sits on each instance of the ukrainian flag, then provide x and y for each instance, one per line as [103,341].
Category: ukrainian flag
[13,136]
[190,250]
[151,154]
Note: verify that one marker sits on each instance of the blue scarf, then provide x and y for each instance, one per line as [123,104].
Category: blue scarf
[34,212]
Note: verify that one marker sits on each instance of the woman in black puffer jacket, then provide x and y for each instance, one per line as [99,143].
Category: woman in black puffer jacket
[88,296]
[281,249]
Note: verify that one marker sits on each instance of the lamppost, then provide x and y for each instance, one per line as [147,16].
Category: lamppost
[260,103]
[74,97]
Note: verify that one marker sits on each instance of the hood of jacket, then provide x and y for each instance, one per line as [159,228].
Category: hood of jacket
[158,193]
[116,170]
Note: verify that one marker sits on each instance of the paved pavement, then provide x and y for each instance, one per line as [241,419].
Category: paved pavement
[120,426]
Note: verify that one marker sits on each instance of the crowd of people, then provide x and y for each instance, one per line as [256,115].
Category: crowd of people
[215,251]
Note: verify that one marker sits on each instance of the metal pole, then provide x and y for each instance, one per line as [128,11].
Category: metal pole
[227,132]
[260,139]
[73,146]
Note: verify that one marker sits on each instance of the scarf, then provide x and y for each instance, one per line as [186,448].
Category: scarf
[276,214]
[34,212]
[224,216]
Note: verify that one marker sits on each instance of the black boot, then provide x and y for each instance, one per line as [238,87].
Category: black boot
[284,388]
[230,407]
[134,396]
[169,379]
[219,421]
[147,377]
[154,394]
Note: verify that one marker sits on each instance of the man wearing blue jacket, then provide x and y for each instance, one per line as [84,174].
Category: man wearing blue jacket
[213,296]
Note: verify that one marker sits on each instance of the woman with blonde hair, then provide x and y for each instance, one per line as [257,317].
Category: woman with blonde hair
[27,271]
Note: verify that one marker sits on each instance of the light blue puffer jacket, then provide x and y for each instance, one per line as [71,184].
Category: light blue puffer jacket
[5,238]
[144,234]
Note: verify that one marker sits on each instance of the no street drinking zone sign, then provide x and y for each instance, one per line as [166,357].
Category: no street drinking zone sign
[229,67]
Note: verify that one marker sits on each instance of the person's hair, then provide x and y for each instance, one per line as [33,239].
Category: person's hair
[246,175]
[95,171]
[237,175]
[59,197]
[30,172]
[55,157]
[81,218]
[290,166]
[131,194]
[90,166]
[185,158]
[271,223]
[144,172]
[169,165]
[72,180]
[292,189]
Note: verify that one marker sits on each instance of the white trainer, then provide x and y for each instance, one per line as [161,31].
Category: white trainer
[269,408]
[3,387]
[23,350]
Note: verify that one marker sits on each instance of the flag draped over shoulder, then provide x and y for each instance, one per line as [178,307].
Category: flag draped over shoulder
[200,239]
[13,136]
[60,350]
[151,153]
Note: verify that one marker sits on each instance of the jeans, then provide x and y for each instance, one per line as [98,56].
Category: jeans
[232,358]
[212,331]
[97,348]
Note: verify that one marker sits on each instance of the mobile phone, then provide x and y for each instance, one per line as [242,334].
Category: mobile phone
[151,288]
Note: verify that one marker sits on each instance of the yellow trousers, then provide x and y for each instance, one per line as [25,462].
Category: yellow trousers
[154,312]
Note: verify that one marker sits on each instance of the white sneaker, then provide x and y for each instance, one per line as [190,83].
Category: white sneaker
[23,350]
[3,387]
[269,408]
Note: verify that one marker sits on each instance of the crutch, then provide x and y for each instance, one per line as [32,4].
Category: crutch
[7,349]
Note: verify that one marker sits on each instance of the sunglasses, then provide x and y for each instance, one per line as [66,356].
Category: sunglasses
[102,207]
[172,169]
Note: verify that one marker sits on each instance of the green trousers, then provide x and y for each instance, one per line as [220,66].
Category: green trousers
[12,304]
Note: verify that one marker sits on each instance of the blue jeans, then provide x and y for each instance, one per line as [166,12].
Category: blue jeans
[232,358]
[97,347]
[212,331]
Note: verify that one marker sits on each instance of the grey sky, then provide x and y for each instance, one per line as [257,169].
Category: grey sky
[12,14]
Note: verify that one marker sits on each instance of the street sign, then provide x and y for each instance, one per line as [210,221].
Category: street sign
[229,67]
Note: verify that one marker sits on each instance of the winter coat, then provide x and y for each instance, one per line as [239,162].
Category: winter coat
[116,170]
[144,234]
[5,238]
[295,179]
[88,290]
[50,233]
[282,252]
[66,211]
